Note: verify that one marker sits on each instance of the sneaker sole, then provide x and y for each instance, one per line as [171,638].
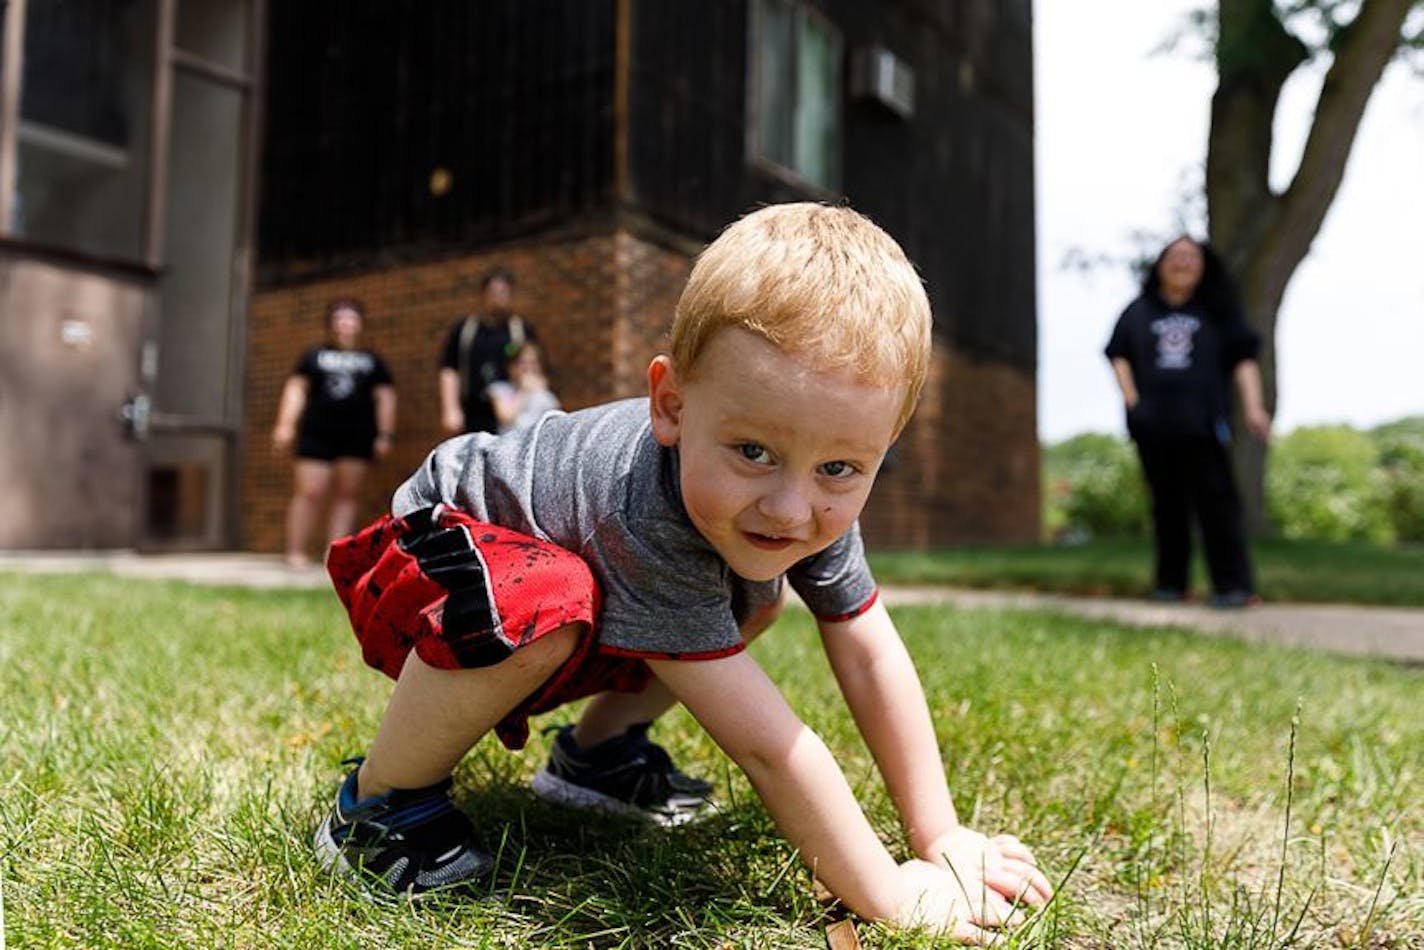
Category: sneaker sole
[328,855]
[551,788]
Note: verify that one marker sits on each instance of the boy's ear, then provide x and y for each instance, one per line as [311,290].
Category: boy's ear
[664,400]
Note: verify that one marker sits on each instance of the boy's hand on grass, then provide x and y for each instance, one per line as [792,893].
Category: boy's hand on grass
[1003,863]
[961,907]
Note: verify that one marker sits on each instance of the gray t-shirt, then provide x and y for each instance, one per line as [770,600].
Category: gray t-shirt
[597,483]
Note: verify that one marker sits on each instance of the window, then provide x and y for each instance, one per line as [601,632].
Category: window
[795,109]
[82,142]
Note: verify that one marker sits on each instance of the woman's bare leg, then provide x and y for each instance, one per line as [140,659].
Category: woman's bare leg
[311,479]
[348,477]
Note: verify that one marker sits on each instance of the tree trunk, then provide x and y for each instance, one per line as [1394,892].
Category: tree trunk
[1262,235]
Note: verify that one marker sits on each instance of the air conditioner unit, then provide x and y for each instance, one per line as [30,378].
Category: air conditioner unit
[880,76]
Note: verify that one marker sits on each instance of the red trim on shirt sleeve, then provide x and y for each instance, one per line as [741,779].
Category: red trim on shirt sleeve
[654,655]
[851,615]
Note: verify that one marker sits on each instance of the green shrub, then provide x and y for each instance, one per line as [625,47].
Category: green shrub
[1325,483]
[1401,463]
[1093,489]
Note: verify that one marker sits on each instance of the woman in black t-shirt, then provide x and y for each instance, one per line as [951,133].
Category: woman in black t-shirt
[339,408]
[1175,351]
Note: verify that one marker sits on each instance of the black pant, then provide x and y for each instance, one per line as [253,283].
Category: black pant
[1189,477]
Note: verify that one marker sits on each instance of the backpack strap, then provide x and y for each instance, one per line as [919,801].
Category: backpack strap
[468,331]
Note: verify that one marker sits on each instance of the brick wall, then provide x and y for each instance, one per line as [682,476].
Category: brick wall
[966,470]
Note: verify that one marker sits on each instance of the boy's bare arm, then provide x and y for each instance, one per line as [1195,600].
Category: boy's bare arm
[883,690]
[808,797]
[793,773]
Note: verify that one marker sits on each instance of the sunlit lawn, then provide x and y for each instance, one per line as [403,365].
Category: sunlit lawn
[166,750]
[1302,571]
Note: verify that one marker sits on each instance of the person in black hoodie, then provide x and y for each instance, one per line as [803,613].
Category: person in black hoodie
[1175,351]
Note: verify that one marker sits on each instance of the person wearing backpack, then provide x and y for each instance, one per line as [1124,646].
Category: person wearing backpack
[476,353]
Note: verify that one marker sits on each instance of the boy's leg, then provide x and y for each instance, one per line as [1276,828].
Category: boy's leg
[611,714]
[607,762]
[435,716]
[393,823]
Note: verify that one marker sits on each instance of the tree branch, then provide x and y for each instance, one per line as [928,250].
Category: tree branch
[1362,51]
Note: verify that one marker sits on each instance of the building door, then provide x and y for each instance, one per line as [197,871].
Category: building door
[192,449]
[76,285]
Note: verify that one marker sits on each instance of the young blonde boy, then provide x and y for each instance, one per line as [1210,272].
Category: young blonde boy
[630,551]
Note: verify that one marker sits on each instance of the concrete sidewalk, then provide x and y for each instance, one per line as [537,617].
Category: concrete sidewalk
[1394,633]
[213,569]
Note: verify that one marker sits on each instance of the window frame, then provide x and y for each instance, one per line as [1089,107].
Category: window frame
[12,48]
[168,59]
[802,12]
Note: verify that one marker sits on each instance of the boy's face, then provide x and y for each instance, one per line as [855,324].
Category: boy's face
[777,457]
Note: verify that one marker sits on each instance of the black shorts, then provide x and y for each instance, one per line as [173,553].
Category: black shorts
[330,446]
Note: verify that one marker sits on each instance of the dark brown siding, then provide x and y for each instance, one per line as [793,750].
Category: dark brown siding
[366,99]
[953,183]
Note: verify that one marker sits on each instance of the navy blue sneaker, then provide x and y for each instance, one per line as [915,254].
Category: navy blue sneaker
[628,774]
[1235,600]
[406,843]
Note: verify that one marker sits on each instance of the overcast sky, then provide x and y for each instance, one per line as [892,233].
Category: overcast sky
[1120,133]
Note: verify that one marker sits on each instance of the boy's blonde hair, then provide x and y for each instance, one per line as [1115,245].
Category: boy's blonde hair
[816,281]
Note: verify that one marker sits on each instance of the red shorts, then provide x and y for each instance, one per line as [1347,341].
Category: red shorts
[464,594]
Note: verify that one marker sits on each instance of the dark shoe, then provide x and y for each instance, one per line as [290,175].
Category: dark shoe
[1235,600]
[628,774]
[408,843]
[1168,595]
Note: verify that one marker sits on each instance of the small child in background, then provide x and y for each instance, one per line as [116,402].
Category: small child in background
[630,552]
[522,399]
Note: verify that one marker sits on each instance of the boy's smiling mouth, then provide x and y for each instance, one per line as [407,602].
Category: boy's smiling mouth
[768,542]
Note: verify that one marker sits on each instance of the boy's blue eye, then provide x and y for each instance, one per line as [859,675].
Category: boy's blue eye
[838,469]
[754,453]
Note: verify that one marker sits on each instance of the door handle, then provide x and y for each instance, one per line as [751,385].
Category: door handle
[135,416]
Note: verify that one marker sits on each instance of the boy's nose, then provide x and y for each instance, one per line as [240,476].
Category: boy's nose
[785,507]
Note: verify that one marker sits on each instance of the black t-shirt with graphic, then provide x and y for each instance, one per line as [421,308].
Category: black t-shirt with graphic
[341,391]
[1182,359]
[488,360]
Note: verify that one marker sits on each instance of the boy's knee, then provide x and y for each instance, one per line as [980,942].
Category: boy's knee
[550,650]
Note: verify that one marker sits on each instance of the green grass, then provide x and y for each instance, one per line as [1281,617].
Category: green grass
[1301,571]
[166,750]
